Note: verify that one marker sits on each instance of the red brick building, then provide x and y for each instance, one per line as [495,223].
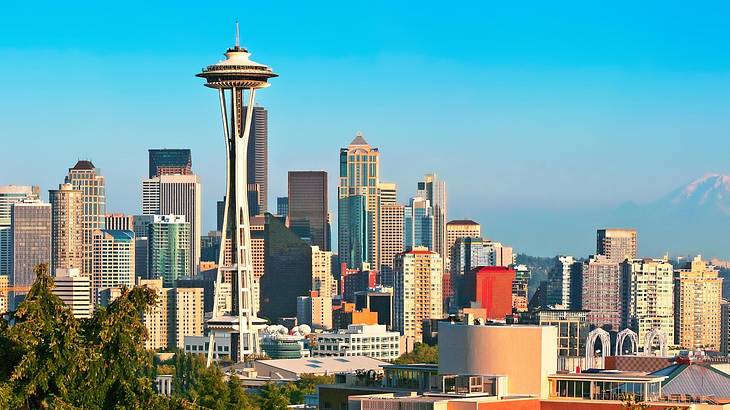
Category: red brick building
[491,288]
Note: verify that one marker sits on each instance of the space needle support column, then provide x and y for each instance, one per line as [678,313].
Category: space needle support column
[224,233]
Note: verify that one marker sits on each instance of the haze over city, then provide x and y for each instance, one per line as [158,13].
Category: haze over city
[542,120]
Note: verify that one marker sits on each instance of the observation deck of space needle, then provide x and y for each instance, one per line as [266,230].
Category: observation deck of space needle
[236,78]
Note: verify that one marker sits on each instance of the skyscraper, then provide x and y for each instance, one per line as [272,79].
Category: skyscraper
[169,249]
[434,190]
[460,228]
[358,204]
[417,292]
[322,280]
[725,327]
[288,270]
[119,222]
[141,244]
[307,206]
[561,289]
[88,179]
[30,242]
[170,161]
[418,224]
[697,293]
[67,216]
[388,192]
[490,287]
[648,296]
[238,77]
[391,239]
[113,261]
[258,158]
[9,194]
[282,206]
[601,292]
[177,195]
[616,244]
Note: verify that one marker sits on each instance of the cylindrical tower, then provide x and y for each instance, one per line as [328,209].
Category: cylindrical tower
[236,78]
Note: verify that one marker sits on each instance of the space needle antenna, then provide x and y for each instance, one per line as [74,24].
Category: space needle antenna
[237,36]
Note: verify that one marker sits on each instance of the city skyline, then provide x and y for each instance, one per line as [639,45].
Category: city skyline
[506,96]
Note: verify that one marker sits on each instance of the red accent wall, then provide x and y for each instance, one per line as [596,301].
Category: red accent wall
[491,287]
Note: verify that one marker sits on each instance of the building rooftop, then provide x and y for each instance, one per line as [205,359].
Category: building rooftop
[695,379]
[359,140]
[610,375]
[83,164]
[462,222]
[120,235]
[325,364]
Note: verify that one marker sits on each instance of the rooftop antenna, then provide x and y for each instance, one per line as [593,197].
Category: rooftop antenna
[237,42]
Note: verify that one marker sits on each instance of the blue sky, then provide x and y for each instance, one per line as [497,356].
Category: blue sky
[529,106]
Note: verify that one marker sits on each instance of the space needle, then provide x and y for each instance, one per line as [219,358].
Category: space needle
[236,78]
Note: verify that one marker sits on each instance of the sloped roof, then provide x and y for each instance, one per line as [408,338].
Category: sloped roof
[697,379]
[328,365]
[359,140]
[83,164]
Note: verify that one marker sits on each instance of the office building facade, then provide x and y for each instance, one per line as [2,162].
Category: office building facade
[67,238]
[697,293]
[417,291]
[418,224]
[113,262]
[9,194]
[307,206]
[74,290]
[85,177]
[648,296]
[169,249]
[31,244]
[358,204]
[177,195]
[601,292]
[433,189]
[170,161]
[616,244]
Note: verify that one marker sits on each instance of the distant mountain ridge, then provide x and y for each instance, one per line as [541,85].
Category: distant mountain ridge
[711,190]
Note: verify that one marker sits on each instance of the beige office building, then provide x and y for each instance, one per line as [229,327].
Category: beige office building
[322,280]
[648,299]
[460,228]
[315,311]
[417,291]
[616,244]
[67,228]
[697,297]
[156,318]
[188,315]
[85,177]
[391,238]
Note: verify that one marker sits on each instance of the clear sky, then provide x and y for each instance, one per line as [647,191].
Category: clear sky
[533,106]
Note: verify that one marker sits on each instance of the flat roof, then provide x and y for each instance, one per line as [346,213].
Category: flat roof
[335,364]
[609,376]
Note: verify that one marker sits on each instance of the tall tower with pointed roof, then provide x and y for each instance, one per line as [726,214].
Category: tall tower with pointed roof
[85,177]
[237,78]
[358,205]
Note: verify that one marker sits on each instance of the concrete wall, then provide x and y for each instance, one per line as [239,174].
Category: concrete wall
[525,354]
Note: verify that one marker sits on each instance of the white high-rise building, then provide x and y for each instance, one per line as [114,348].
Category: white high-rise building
[322,280]
[559,280]
[177,195]
[649,296]
[74,290]
[113,262]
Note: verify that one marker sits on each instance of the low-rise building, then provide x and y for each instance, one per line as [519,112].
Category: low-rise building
[359,340]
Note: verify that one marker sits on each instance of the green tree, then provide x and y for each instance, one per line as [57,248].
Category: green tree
[273,397]
[422,353]
[43,356]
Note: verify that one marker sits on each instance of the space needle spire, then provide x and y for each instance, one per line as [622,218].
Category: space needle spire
[236,78]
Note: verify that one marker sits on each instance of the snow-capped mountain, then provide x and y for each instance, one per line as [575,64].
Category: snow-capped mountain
[710,191]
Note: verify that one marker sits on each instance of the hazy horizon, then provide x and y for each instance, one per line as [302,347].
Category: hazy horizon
[531,114]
